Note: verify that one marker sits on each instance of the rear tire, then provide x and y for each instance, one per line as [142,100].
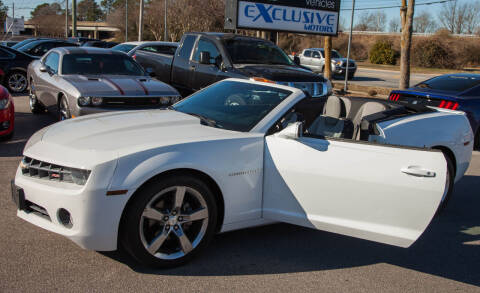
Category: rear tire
[167,237]
[448,184]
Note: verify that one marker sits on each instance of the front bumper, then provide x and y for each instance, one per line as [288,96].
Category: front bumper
[95,216]
[342,70]
[7,120]
[81,111]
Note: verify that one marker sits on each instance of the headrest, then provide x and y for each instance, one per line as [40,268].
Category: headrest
[333,107]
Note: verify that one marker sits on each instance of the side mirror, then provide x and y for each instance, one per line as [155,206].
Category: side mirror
[292,131]
[150,72]
[43,68]
[296,60]
[205,58]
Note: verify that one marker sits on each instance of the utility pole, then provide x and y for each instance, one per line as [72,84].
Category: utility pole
[66,18]
[406,15]
[166,31]
[327,68]
[13,11]
[140,22]
[126,20]
[349,45]
[74,18]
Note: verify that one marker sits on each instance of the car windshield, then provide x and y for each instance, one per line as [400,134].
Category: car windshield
[29,46]
[22,43]
[231,105]
[451,83]
[335,54]
[243,51]
[123,47]
[97,64]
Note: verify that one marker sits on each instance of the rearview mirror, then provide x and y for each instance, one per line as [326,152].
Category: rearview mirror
[43,68]
[292,131]
[296,60]
[205,57]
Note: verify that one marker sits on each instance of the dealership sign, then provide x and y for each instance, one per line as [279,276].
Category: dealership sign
[301,16]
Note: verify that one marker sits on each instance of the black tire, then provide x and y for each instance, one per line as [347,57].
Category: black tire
[134,224]
[16,82]
[35,106]
[351,76]
[476,146]
[7,137]
[449,184]
[63,109]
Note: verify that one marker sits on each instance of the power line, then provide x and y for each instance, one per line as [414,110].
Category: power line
[398,6]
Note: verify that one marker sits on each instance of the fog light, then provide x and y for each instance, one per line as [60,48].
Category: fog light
[5,125]
[164,100]
[65,218]
[96,101]
[84,101]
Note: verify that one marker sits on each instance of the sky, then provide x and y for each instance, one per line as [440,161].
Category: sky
[24,7]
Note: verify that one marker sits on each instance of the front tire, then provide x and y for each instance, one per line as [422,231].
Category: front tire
[63,109]
[16,82]
[169,221]
[35,106]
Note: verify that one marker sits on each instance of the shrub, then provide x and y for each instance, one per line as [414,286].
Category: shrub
[432,53]
[382,53]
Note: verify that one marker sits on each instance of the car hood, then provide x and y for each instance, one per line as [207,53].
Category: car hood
[282,73]
[89,140]
[119,85]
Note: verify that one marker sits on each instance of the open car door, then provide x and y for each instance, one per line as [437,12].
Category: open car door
[375,192]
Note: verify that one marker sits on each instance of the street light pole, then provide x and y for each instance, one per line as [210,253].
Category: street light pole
[349,45]
[126,20]
[66,18]
[140,22]
[166,32]
[74,18]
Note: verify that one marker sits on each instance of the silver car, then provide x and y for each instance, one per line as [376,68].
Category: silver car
[314,58]
[72,82]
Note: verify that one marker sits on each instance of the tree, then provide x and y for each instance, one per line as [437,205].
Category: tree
[3,13]
[50,19]
[46,9]
[394,25]
[88,10]
[371,21]
[406,16]
[460,18]
[107,6]
[424,23]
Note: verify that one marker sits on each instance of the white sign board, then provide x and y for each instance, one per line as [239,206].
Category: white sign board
[266,16]
[14,25]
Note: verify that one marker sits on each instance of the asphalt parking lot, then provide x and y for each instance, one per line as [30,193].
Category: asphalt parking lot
[272,258]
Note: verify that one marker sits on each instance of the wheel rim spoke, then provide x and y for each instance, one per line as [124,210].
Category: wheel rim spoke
[179,195]
[151,213]
[195,216]
[185,243]
[158,241]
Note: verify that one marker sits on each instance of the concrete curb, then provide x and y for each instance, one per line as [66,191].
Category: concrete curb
[382,92]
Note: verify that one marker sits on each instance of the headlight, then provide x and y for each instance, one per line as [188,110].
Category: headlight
[337,62]
[173,100]
[79,176]
[4,103]
[96,101]
[164,100]
[84,101]
[261,79]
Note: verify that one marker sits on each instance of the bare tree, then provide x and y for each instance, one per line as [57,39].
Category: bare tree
[424,23]
[375,21]
[459,17]
[394,25]
[406,15]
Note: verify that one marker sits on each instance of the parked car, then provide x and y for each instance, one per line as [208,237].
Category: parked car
[238,154]
[314,58]
[80,40]
[204,58]
[7,114]
[131,48]
[26,41]
[72,82]
[13,69]
[99,44]
[8,43]
[459,91]
[40,47]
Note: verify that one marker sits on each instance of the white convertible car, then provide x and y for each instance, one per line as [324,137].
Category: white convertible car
[162,183]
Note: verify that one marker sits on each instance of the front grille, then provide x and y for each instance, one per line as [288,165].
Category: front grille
[315,89]
[43,170]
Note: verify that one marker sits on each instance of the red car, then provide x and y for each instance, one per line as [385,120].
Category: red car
[7,114]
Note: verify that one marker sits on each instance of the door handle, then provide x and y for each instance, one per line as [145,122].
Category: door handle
[418,171]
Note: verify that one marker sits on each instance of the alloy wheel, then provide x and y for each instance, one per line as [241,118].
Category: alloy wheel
[173,222]
[17,82]
[63,109]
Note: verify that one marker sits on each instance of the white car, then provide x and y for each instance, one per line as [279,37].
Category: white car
[162,183]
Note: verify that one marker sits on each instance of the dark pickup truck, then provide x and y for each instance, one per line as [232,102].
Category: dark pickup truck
[204,58]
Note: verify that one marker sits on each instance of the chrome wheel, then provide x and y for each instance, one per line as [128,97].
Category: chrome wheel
[17,82]
[173,222]
[63,110]
[32,99]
